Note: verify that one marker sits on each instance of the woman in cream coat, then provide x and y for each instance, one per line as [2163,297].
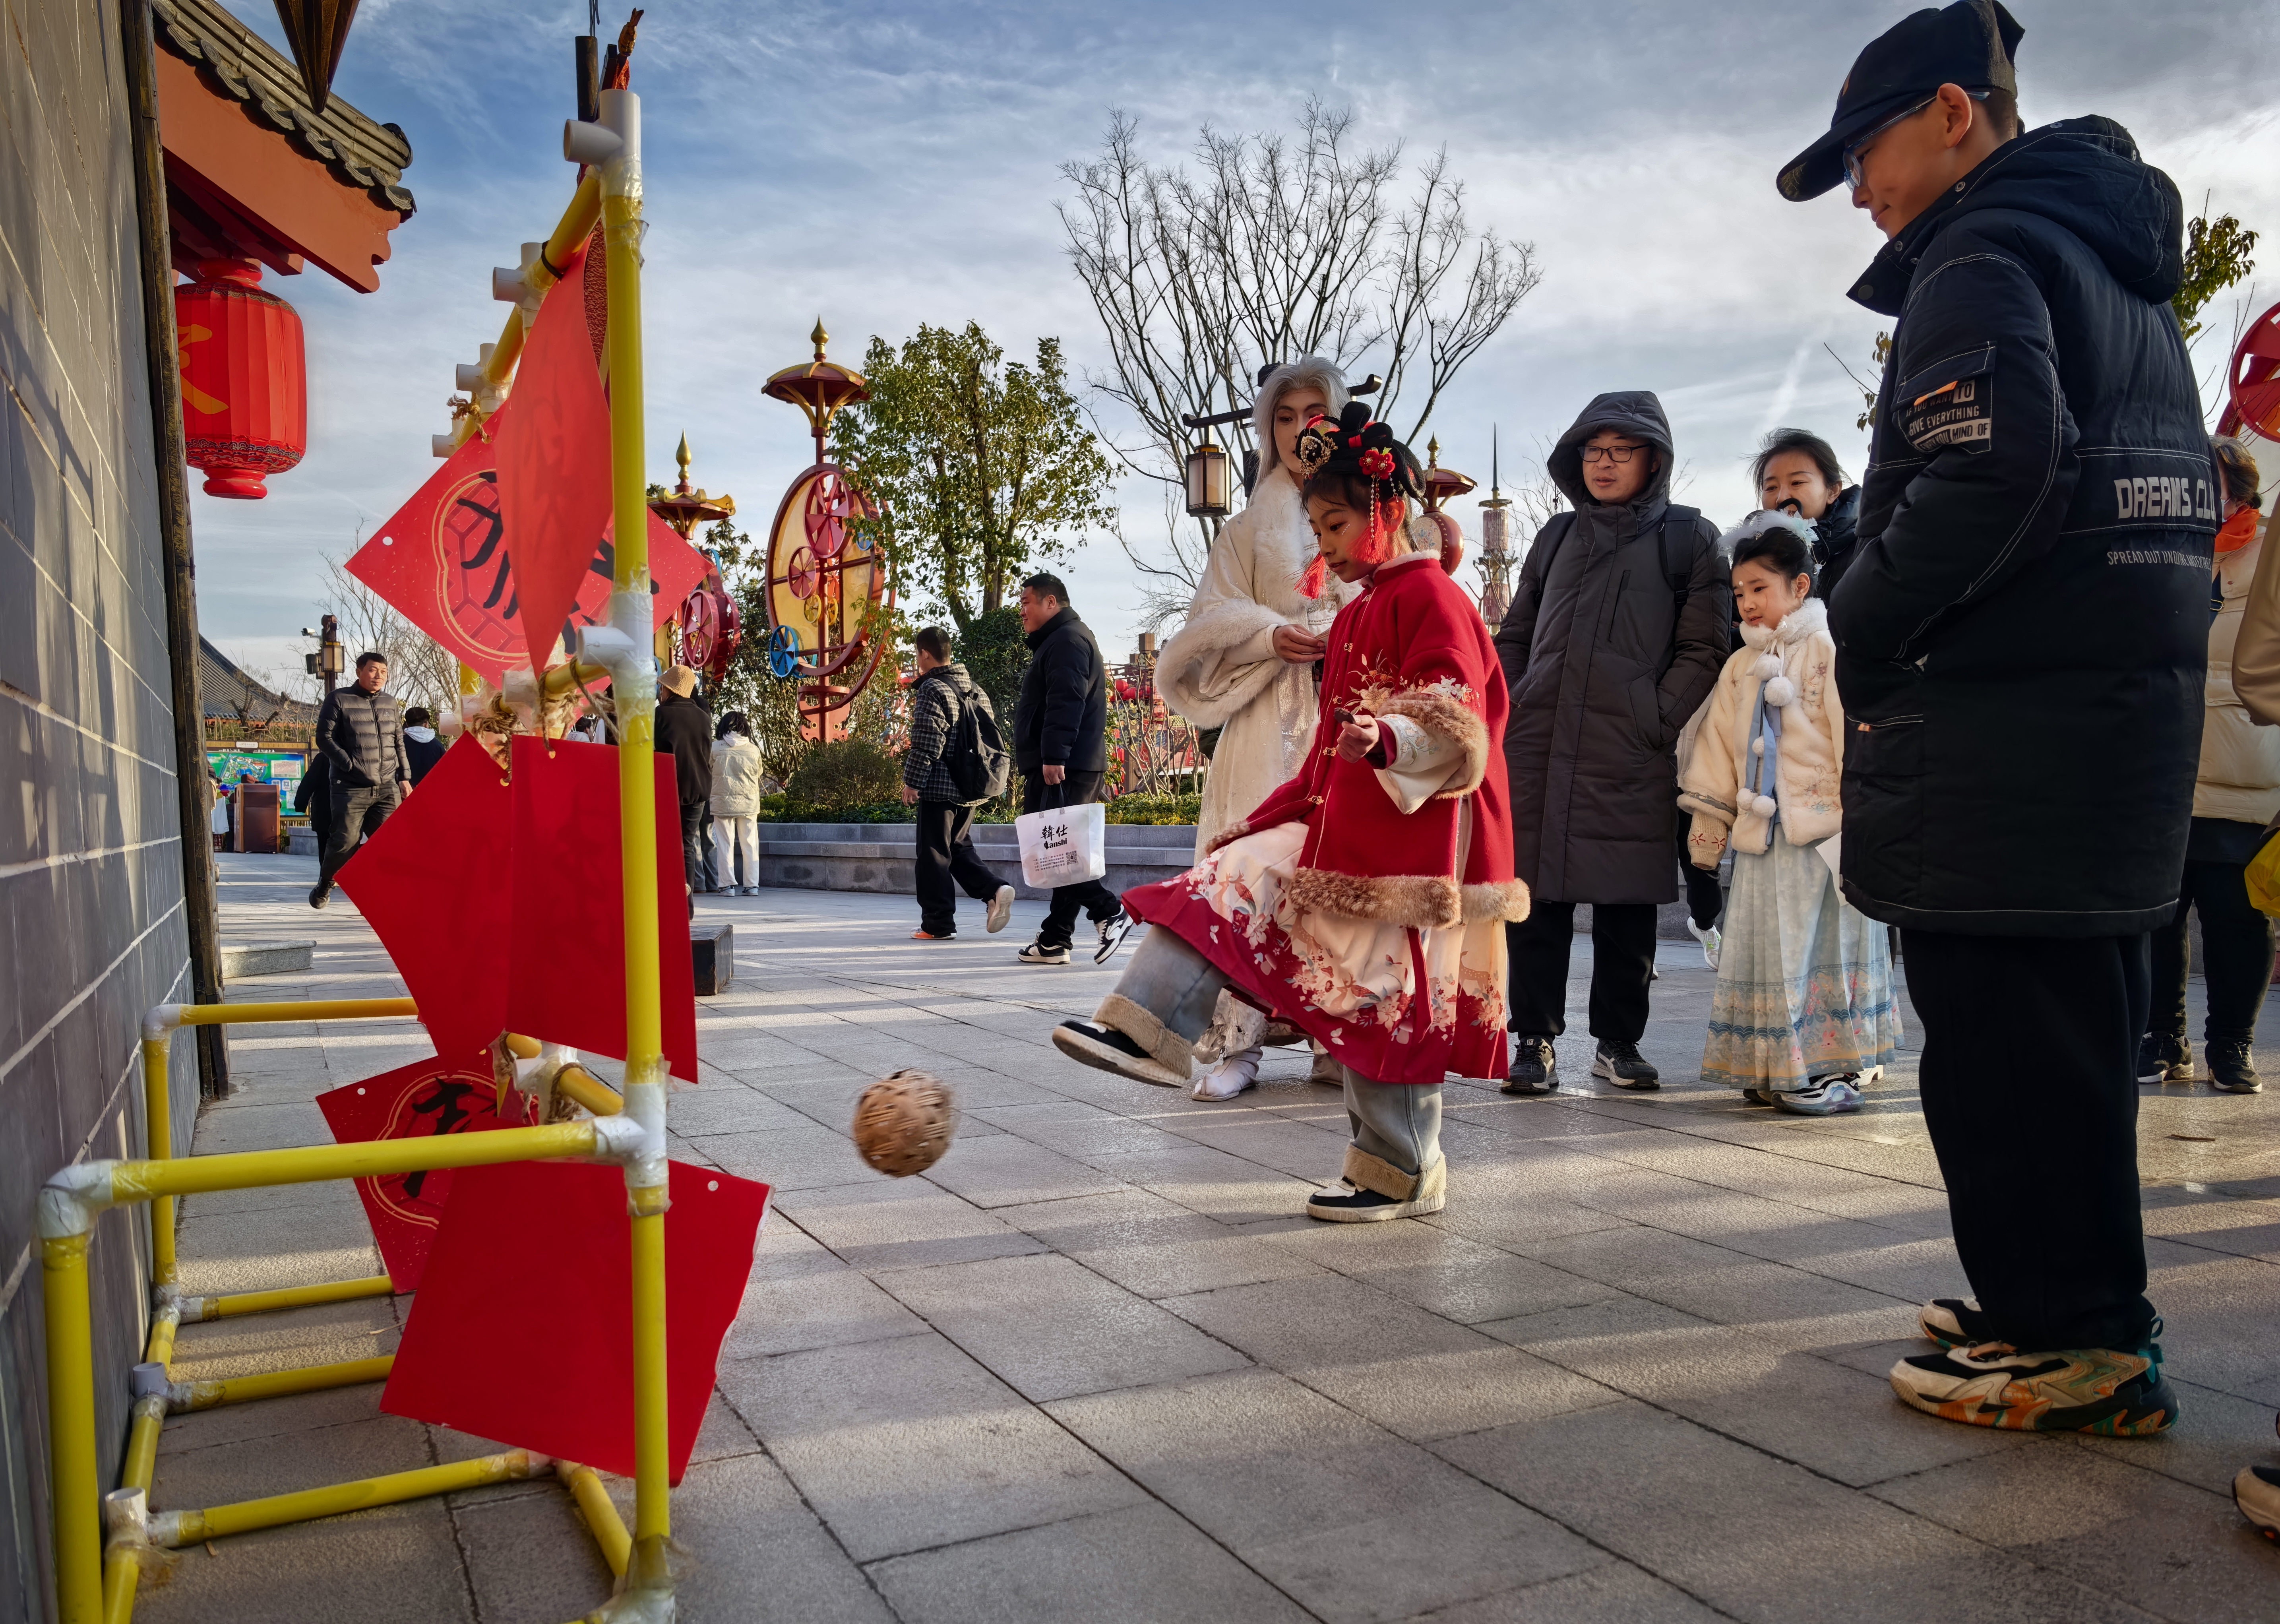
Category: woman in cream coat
[1244,660]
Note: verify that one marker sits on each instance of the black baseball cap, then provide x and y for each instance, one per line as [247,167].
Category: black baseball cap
[1969,44]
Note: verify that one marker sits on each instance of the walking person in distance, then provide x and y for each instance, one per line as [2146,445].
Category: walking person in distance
[684,731]
[735,807]
[1061,748]
[360,735]
[948,709]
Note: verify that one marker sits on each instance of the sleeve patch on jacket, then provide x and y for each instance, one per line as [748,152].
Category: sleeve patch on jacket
[1950,405]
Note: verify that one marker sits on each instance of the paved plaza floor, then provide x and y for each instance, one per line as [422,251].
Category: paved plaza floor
[1095,1366]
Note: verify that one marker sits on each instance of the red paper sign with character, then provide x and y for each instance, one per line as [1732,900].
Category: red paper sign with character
[419,1101]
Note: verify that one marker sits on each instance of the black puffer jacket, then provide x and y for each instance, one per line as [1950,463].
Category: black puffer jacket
[361,736]
[684,731]
[1835,534]
[2022,634]
[1605,676]
[1062,718]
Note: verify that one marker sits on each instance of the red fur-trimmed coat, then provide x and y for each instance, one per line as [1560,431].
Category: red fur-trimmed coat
[1412,644]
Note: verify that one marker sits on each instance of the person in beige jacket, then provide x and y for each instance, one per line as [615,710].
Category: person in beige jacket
[735,806]
[2236,793]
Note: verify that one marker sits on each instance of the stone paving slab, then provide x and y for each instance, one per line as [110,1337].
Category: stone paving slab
[1095,1365]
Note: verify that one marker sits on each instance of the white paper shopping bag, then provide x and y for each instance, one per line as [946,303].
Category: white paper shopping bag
[1062,845]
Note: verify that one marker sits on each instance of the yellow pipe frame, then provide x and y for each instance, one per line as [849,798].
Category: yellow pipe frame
[73,1474]
[237,1303]
[276,1383]
[581,1086]
[600,1512]
[179,1528]
[158,1139]
[314,1008]
[577,224]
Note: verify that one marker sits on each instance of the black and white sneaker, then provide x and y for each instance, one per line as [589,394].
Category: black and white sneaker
[1112,932]
[1954,1321]
[1619,1062]
[1041,952]
[1104,1047]
[2165,1057]
[1534,1067]
[1344,1203]
[2232,1068]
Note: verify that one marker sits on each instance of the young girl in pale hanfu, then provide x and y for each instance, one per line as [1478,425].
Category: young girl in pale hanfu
[1243,662]
[1803,1014]
[1364,899]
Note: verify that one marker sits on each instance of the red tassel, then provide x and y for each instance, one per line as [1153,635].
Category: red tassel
[1317,577]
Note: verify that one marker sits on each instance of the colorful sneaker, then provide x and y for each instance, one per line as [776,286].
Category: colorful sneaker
[2077,1389]
[1828,1097]
[1001,909]
[1534,1067]
[2164,1058]
[1620,1062]
[1954,1321]
[2257,1492]
[1040,953]
[1712,944]
[928,936]
[2232,1068]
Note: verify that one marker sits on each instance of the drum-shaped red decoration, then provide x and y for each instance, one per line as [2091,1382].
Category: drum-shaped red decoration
[245,389]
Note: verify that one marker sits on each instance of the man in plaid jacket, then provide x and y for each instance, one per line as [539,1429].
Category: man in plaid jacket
[946,859]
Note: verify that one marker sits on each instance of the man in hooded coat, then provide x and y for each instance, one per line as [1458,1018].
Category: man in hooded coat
[1618,627]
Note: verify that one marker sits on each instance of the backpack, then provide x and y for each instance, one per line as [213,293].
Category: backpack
[976,757]
[1677,521]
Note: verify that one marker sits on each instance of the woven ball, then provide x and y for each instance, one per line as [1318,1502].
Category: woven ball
[903,1122]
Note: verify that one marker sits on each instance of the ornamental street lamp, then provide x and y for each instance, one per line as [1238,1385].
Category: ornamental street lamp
[1207,486]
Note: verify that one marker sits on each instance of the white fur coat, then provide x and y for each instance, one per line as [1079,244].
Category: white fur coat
[1220,669]
[1811,754]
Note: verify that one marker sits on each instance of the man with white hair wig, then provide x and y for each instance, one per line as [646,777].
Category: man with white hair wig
[1243,660]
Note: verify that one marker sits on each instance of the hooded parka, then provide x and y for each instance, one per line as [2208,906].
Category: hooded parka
[1605,674]
[2022,634]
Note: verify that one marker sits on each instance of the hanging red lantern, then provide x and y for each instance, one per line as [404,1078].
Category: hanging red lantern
[245,389]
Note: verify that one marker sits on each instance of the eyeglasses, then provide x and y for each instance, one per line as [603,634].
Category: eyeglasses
[1611,453]
[1859,148]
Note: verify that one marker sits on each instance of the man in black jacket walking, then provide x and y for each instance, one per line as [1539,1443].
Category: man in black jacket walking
[2021,642]
[1061,748]
[360,735]
[944,817]
[684,731]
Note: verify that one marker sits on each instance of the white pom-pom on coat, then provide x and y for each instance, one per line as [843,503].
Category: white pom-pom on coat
[1765,806]
[1781,691]
[1767,667]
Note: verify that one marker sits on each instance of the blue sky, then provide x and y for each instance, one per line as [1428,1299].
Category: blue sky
[888,165]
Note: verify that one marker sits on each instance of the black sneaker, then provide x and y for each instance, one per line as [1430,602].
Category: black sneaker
[1619,1062]
[1954,1321]
[1344,1204]
[1105,1048]
[2232,1068]
[1112,932]
[2165,1057]
[1042,952]
[1534,1067]
[320,894]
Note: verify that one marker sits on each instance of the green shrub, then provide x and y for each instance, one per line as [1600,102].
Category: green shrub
[1154,809]
[847,773]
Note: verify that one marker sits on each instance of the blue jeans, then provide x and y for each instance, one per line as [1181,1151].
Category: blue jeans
[1397,1122]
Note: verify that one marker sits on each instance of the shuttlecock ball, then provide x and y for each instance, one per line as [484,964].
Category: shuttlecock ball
[903,1122]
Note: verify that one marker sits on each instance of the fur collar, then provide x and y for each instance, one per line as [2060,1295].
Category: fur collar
[1808,619]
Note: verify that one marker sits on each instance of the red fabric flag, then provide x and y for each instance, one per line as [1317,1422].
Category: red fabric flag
[414,1102]
[447,562]
[567,969]
[435,884]
[532,1345]
[554,465]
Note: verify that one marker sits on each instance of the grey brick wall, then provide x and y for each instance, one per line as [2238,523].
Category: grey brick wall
[91,925]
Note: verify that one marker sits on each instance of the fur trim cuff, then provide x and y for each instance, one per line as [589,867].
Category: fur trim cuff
[1425,902]
[1233,832]
[1364,1171]
[1139,1023]
[1506,900]
[1438,708]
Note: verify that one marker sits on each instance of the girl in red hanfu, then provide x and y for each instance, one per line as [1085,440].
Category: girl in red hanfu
[1364,900]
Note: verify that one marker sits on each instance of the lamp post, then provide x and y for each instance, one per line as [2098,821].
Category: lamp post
[1207,490]
[327,662]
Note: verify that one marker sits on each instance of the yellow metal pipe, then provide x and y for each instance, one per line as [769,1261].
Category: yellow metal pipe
[312,1009]
[576,225]
[120,1575]
[600,1511]
[159,1134]
[160,1349]
[289,1296]
[196,1175]
[73,1474]
[581,1086]
[143,1444]
[568,675]
[179,1528]
[277,1383]
[522,1048]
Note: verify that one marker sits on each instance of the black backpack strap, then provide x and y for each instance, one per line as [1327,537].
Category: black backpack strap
[1678,527]
[1547,542]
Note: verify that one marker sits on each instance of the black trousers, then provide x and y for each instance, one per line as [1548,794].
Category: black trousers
[2236,947]
[1098,901]
[946,862]
[357,814]
[1622,964]
[2029,1084]
[692,849]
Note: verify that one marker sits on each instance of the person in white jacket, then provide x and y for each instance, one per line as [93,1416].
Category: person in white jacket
[1803,1013]
[735,806]
[1244,662]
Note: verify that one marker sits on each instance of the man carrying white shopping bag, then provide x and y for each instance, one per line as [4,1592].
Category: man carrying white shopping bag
[1060,747]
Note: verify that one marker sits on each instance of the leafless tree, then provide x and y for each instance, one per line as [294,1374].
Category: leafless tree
[420,671]
[1271,248]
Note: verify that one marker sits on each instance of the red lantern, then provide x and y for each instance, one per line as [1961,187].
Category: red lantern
[245,389]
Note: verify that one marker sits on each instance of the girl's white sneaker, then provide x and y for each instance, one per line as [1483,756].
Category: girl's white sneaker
[1230,1078]
[1707,936]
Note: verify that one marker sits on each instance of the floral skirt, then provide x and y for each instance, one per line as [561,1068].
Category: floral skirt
[1805,980]
[1396,1004]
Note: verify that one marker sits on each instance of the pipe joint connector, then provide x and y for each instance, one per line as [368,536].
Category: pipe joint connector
[623,1140]
[70,1201]
[159,1022]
